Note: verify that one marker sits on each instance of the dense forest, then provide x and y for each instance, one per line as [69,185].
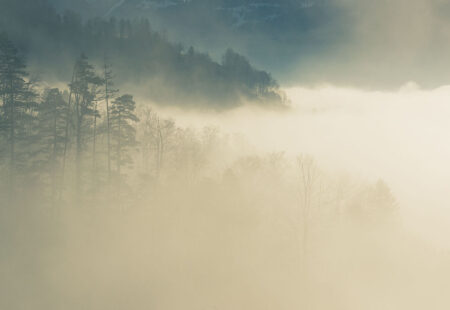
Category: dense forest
[109,199]
[144,59]
[95,185]
[85,138]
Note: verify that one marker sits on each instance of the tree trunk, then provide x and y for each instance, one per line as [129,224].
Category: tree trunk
[78,153]
[119,144]
[54,154]
[12,145]
[66,135]
[108,133]
[94,145]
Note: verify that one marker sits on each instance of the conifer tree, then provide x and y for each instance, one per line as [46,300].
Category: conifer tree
[17,109]
[52,117]
[123,131]
[109,94]
[84,90]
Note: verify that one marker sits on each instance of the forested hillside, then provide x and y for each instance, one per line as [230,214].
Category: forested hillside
[103,200]
[140,174]
[144,60]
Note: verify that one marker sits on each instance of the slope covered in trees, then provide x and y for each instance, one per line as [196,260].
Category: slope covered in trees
[102,199]
[76,143]
[144,60]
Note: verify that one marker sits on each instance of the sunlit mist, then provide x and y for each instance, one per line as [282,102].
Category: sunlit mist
[209,155]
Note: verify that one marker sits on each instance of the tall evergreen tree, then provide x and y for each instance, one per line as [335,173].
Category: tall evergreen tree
[84,90]
[53,112]
[123,131]
[17,96]
[110,93]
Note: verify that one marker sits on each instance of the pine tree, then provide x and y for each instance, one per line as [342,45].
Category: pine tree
[96,91]
[122,129]
[52,117]
[84,90]
[18,105]
[110,93]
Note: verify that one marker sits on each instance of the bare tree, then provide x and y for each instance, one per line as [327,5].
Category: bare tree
[156,133]
[308,180]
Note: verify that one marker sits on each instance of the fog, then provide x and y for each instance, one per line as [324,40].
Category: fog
[226,230]
[160,178]
[358,43]
[400,136]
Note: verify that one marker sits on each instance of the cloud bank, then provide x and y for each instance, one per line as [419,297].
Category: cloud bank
[400,136]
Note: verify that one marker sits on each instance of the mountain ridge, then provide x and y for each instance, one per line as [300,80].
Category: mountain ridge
[144,59]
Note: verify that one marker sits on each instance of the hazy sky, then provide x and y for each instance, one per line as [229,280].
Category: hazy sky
[354,43]
[357,43]
[383,44]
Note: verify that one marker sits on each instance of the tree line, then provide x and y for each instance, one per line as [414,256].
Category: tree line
[49,134]
[80,145]
[161,70]
[90,145]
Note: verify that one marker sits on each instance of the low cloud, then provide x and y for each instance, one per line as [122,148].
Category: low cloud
[400,136]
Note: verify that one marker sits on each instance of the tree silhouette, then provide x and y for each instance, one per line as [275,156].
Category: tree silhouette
[84,90]
[52,115]
[17,95]
[123,131]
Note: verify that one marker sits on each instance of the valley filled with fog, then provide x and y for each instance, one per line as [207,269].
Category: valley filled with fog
[324,204]
[184,155]
[399,136]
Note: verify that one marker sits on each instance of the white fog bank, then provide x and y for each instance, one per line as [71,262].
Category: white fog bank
[402,137]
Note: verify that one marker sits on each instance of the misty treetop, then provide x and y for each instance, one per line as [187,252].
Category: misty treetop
[90,142]
[83,158]
[146,60]
[123,130]
[121,189]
